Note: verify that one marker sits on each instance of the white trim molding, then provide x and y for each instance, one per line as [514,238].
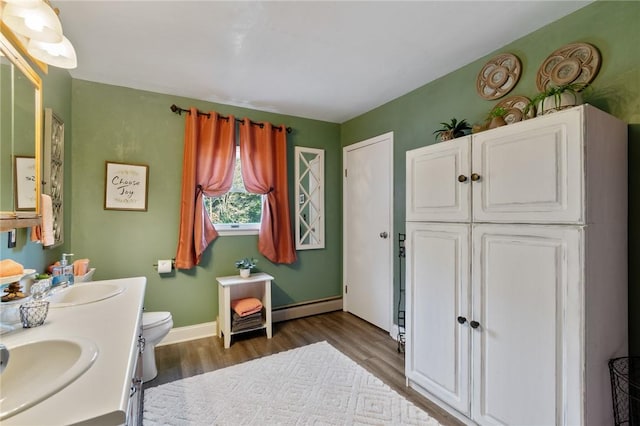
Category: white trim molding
[284,313]
[190,332]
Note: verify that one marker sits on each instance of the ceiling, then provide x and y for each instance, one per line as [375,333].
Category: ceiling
[326,60]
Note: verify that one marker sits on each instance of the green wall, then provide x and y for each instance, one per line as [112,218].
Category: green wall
[610,26]
[124,125]
[118,124]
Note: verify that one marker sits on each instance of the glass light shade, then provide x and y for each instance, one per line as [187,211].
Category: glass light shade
[27,3]
[38,22]
[61,55]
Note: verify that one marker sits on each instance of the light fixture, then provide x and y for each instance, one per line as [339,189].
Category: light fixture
[36,21]
[61,55]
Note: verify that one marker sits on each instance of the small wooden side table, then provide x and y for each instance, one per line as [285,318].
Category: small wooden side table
[234,287]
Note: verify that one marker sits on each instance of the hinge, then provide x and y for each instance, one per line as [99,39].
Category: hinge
[346,289]
[345,172]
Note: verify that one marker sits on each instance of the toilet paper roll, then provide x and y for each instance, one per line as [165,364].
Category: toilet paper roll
[164,266]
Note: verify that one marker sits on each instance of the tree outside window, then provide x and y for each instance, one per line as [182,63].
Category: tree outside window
[237,209]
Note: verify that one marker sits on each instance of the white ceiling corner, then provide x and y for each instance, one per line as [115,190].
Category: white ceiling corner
[325,60]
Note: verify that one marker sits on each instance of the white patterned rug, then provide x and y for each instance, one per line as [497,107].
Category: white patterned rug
[314,384]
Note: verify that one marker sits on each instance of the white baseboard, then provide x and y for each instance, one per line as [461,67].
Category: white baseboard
[190,332]
[208,329]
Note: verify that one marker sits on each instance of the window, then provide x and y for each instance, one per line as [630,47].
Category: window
[237,211]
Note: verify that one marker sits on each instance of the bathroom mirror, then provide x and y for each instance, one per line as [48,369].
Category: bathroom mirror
[309,201]
[20,132]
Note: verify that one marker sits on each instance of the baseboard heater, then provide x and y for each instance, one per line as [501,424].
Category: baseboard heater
[305,309]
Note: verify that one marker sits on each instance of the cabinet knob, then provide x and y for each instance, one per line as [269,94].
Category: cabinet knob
[475,177]
[462,178]
[474,324]
[462,320]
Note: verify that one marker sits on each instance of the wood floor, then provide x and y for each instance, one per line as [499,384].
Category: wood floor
[366,344]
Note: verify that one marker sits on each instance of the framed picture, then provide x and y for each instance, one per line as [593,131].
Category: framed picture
[25,169]
[125,186]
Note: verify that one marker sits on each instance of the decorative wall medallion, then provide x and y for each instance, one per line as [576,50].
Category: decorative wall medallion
[516,106]
[574,63]
[498,76]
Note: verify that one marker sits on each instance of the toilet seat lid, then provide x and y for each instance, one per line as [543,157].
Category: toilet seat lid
[151,319]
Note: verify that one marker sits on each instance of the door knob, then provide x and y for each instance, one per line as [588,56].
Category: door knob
[462,178]
[474,324]
[462,320]
[384,235]
[475,177]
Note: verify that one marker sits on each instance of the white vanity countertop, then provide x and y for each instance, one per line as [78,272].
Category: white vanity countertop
[99,396]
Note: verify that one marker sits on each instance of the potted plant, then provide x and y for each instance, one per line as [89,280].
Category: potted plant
[453,129]
[245,265]
[496,117]
[556,98]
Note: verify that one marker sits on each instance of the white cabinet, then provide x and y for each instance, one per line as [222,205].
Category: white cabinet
[530,172]
[516,303]
[436,348]
[235,287]
[526,344]
[437,188]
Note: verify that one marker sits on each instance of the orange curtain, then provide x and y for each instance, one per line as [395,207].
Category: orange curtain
[263,155]
[207,169]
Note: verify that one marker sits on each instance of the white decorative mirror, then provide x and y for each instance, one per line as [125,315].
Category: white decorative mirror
[53,170]
[309,201]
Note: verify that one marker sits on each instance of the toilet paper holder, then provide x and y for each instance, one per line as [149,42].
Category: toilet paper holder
[161,265]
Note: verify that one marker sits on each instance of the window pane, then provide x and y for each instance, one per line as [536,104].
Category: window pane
[236,206]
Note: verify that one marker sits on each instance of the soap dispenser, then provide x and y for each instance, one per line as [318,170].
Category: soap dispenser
[63,273]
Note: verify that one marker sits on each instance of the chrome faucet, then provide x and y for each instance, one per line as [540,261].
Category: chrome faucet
[4,357]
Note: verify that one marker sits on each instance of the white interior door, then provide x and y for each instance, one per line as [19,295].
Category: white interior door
[368,233]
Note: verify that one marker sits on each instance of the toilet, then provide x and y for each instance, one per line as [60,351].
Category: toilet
[155,326]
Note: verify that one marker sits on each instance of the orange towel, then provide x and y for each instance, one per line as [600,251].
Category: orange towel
[9,268]
[43,233]
[53,265]
[247,306]
[48,239]
[36,234]
[80,267]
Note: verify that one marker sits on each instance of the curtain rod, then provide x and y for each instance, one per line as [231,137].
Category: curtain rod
[176,109]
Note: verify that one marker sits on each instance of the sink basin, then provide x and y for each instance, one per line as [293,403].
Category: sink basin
[38,369]
[82,294]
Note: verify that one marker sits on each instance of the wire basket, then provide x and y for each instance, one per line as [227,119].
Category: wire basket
[625,389]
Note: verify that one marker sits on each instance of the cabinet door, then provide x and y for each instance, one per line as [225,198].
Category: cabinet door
[438,184]
[526,357]
[530,172]
[437,346]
